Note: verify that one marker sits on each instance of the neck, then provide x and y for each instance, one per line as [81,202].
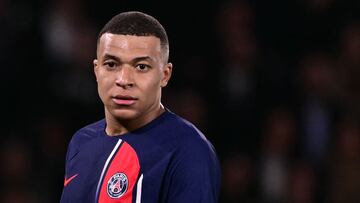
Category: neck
[117,126]
[113,127]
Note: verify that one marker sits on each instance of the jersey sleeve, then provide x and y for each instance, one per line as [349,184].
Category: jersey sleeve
[194,175]
[72,150]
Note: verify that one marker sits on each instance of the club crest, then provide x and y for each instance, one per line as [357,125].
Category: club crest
[117,185]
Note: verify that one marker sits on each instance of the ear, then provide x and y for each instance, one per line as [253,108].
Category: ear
[96,68]
[167,70]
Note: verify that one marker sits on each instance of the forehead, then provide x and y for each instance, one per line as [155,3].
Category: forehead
[128,44]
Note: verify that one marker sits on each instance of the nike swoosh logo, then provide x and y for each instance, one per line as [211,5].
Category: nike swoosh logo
[68,180]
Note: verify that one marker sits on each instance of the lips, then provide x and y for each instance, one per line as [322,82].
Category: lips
[124,100]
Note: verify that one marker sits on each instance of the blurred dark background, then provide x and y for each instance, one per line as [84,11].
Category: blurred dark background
[275,86]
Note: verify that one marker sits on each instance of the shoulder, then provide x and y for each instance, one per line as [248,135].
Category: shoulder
[186,132]
[194,171]
[90,131]
[86,134]
[191,142]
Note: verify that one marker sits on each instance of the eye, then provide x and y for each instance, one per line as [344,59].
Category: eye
[142,67]
[110,65]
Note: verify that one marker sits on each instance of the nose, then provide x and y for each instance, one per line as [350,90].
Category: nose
[124,77]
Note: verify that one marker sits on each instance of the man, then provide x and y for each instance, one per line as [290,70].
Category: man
[140,152]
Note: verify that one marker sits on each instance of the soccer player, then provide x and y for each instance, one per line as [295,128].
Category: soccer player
[140,151]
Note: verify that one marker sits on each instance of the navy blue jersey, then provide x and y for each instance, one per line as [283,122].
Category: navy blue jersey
[168,160]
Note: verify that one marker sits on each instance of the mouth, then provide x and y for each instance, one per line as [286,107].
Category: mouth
[124,100]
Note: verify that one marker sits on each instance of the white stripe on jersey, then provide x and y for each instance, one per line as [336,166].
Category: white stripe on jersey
[105,166]
[139,188]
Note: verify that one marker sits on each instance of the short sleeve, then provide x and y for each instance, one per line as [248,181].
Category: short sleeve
[194,175]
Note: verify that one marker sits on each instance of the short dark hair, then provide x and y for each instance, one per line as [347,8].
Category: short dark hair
[138,24]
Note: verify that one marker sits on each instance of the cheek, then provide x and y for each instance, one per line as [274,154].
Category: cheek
[151,83]
[153,91]
[104,84]
[105,78]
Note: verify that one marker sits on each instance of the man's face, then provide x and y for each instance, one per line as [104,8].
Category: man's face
[130,72]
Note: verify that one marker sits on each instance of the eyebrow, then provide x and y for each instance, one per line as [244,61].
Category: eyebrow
[109,56]
[134,60]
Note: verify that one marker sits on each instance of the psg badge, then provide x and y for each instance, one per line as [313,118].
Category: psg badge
[117,185]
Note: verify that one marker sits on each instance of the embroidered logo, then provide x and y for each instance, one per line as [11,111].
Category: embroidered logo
[117,185]
[68,180]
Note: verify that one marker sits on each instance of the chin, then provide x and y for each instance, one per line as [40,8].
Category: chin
[124,114]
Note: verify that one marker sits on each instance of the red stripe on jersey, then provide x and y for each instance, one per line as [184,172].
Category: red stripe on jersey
[121,176]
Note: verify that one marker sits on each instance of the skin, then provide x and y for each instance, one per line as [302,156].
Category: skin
[130,72]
